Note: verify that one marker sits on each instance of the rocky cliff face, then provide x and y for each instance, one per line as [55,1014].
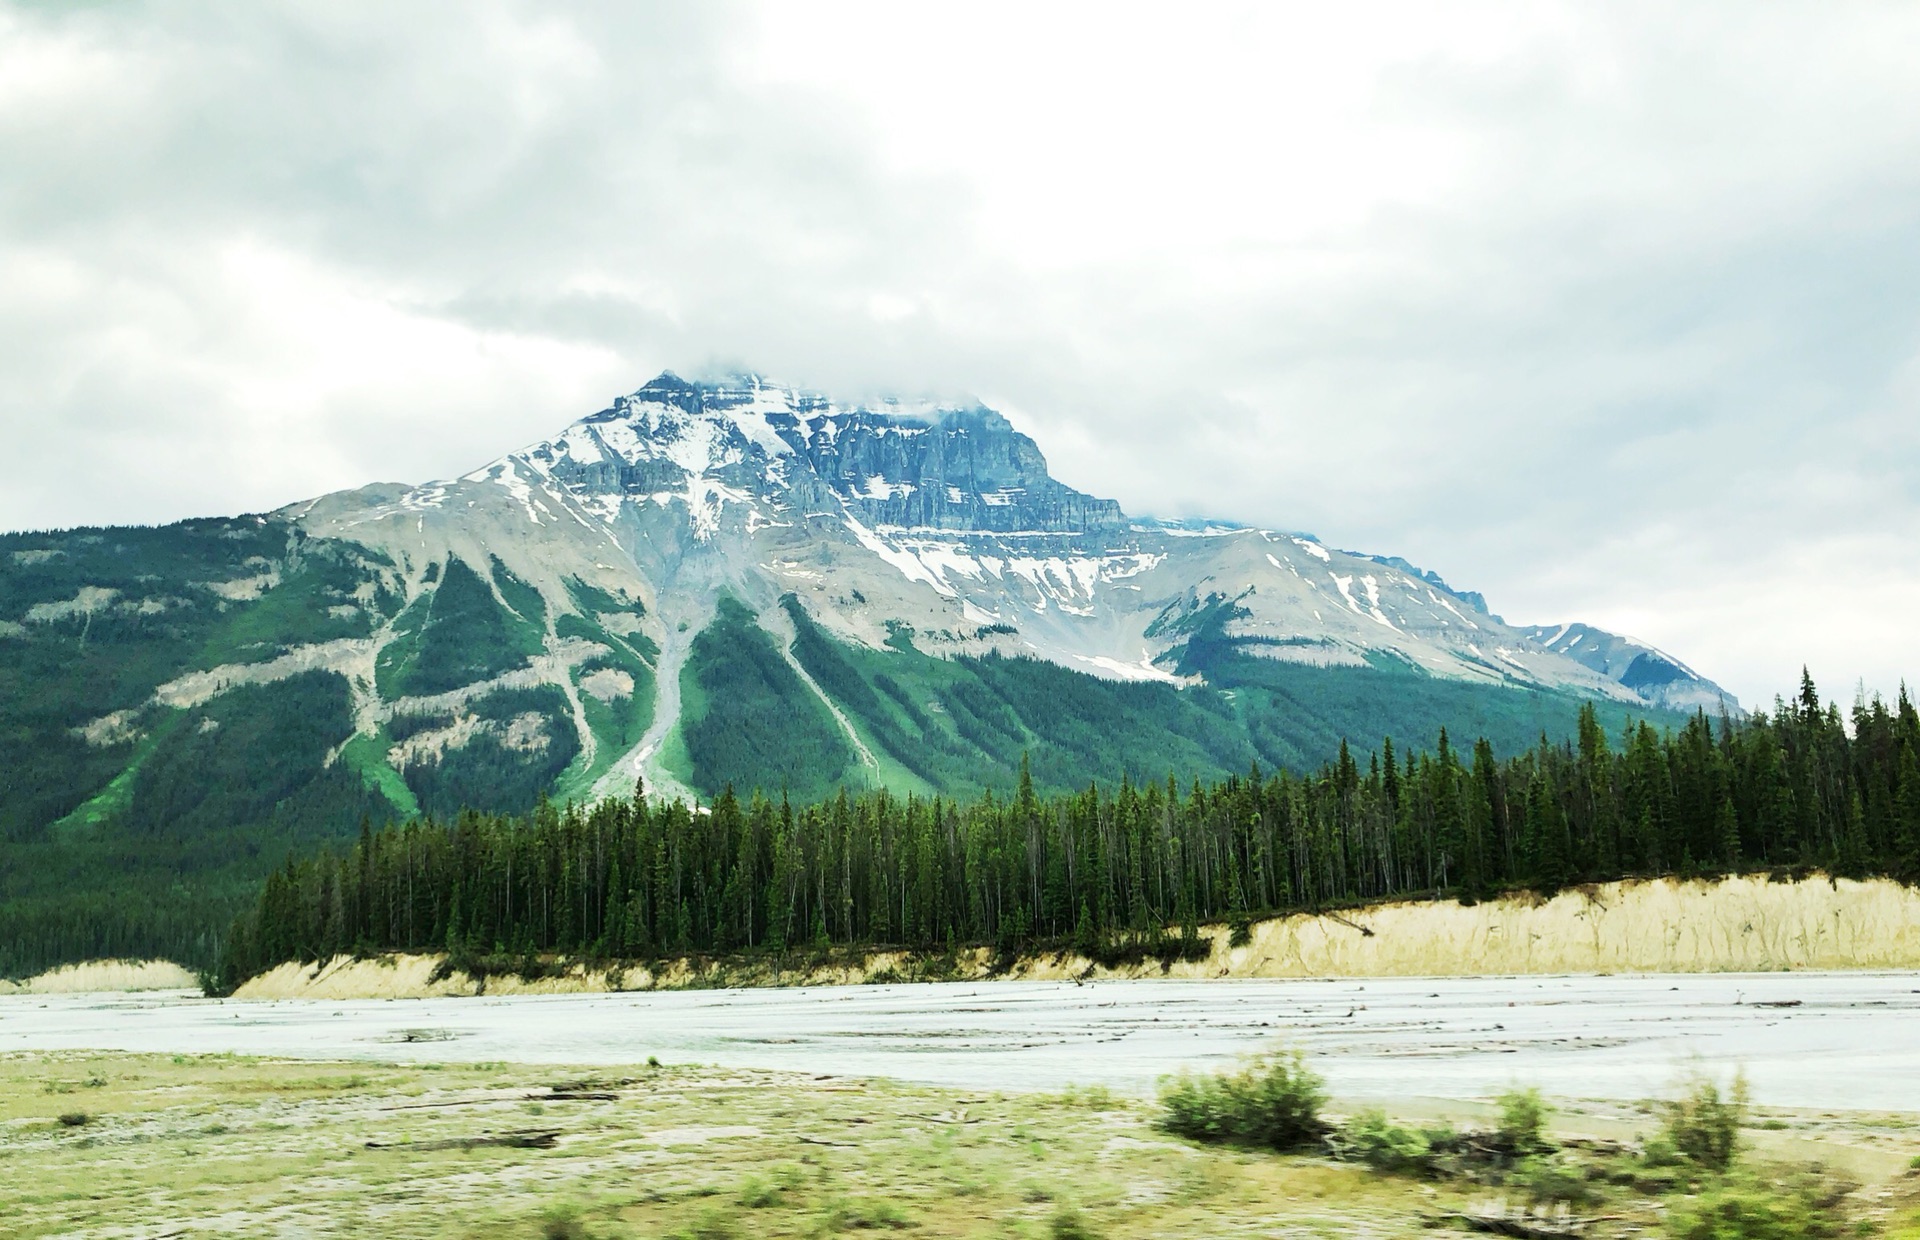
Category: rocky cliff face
[964,469]
[929,467]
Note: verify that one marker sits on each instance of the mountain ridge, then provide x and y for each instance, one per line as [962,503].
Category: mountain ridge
[703,585]
[940,519]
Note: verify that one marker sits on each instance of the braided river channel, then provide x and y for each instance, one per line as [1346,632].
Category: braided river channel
[1832,1040]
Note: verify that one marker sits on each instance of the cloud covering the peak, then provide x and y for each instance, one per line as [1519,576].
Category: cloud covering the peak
[1610,312]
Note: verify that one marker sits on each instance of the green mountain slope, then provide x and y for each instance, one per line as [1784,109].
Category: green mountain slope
[182,708]
[963,725]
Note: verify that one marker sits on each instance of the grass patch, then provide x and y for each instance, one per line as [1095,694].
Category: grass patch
[256,1146]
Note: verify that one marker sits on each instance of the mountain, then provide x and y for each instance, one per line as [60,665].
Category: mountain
[1653,675]
[706,584]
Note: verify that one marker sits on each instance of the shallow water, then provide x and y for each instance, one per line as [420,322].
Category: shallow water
[1850,1040]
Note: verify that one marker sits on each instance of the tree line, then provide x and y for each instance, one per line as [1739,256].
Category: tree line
[1800,785]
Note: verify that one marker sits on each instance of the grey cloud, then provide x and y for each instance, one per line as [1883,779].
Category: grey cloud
[1654,360]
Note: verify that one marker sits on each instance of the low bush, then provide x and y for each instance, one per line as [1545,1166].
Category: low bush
[1068,1223]
[758,1194]
[1549,1179]
[712,1223]
[1523,1122]
[1158,946]
[867,1214]
[1661,1152]
[1371,1138]
[1703,1125]
[1273,1102]
[1751,1210]
[562,1222]
[75,1119]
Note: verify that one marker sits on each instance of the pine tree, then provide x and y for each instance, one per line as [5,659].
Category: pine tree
[1449,818]
[1041,870]
[1482,857]
[456,939]
[1851,854]
[1549,828]
[1906,856]
[1726,832]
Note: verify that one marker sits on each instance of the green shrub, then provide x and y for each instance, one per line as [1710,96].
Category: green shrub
[1274,1102]
[1658,1181]
[562,1222]
[758,1194]
[710,1224]
[866,1213]
[1523,1121]
[1068,1223]
[1660,1151]
[1750,1210]
[1371,1138]
[1551,1180]
[1704,1126]
[75,1119]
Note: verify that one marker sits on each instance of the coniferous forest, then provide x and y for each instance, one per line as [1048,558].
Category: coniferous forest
[1117,869]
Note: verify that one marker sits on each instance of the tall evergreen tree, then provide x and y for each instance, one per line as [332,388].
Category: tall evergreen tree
[641,879]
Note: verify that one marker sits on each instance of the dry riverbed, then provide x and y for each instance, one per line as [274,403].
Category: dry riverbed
[116,1145]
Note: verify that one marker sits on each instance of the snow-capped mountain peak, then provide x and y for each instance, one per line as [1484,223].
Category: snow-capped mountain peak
[944,522]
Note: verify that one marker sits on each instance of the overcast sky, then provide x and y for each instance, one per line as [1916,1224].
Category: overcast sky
[1611,312]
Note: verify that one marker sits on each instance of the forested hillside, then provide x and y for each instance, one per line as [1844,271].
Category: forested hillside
[183,708]
[126,825]
[1114,870]
[960,726]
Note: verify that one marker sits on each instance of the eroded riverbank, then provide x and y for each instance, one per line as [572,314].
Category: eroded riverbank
[104,976]
[1734,925]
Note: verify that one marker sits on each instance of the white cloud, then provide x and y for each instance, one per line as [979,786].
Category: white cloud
[1611,312]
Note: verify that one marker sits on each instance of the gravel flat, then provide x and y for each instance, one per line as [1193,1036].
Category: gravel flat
[1823,1040]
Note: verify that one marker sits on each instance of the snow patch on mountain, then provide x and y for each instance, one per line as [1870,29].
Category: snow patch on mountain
[946,520]
[1144,670]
